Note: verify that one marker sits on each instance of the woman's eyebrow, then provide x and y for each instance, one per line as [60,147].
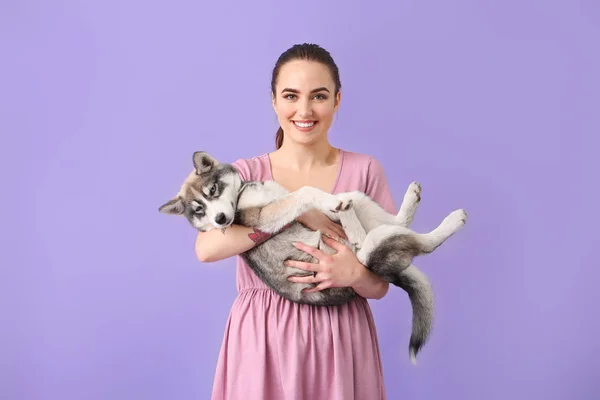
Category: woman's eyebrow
[312,91]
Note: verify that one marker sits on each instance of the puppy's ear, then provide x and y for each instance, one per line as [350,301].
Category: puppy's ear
[203,162]
[174,207]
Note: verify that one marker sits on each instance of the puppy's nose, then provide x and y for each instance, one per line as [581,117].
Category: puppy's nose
[220,219]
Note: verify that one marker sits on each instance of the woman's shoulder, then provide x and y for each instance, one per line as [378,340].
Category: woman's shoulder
[365,164]
[364,172]
[253,168]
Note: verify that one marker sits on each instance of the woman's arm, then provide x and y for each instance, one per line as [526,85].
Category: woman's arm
[369,285]
[216,245]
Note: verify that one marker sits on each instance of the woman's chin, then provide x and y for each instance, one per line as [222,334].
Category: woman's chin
[305,136]
[307,139]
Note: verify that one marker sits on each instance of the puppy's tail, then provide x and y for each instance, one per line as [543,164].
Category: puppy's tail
[420,293]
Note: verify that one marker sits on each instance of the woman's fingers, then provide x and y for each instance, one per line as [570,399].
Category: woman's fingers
[316,253]
[334,230]
[304,279]
[334,244]
[338,231]
[320,286]
[307,266]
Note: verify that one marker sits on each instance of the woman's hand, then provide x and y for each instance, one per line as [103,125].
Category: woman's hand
[341,269]
[317,221]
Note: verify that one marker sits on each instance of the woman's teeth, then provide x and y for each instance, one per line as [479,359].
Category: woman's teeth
[304,124]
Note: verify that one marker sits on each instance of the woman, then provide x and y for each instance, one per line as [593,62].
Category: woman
[275,349]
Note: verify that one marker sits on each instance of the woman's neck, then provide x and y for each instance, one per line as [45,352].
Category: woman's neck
[305,157]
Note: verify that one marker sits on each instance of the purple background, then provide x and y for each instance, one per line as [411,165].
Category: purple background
[492,107]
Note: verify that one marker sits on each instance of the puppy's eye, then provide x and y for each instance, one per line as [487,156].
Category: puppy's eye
[213,189]
[197,207]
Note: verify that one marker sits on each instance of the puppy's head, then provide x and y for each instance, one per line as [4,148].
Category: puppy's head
[208,196]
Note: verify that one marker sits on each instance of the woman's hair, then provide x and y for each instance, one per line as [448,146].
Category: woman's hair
[307,52]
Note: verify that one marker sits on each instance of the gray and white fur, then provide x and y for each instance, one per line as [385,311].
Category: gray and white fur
[214,196]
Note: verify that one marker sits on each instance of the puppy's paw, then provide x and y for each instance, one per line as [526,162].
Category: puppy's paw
[413,193]
[346,201]
[332,204]
[457,218]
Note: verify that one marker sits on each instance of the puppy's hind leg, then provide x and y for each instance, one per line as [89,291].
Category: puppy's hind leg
[428,242]
[409,205]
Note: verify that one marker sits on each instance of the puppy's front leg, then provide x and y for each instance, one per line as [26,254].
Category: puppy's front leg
[353,228]
[272,217]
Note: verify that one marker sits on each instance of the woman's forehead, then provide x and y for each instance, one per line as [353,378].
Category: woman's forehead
[304,75]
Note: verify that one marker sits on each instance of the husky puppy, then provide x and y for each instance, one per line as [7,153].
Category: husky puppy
[214,196]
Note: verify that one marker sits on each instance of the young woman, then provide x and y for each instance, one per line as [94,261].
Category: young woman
[275,349]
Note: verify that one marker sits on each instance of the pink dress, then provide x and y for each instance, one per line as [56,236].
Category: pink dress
[275,349]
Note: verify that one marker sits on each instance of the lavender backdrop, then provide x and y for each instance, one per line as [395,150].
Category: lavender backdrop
[492,107]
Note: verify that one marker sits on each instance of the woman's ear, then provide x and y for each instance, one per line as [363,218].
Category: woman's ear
[338,99]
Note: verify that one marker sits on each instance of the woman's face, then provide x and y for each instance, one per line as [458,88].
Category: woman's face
[305,101]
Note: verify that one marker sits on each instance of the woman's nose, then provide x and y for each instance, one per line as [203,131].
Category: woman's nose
[305,109]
